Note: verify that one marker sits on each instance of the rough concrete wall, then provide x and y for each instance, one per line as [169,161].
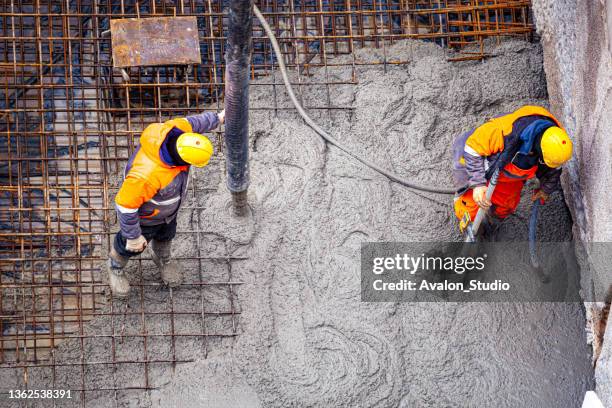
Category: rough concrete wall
[576,35]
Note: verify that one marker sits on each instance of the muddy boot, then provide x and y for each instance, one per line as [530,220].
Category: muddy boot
[171,273]
[119,284]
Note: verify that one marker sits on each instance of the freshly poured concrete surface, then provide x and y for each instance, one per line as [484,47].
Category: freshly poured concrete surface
[306,338]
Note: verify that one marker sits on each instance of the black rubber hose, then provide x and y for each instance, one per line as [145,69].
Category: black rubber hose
[326,136]
[238,59]
[533,228]
[533,245]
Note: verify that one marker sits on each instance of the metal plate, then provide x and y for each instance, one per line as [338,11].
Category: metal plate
[155,41]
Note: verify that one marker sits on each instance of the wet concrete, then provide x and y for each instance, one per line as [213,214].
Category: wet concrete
[306,339]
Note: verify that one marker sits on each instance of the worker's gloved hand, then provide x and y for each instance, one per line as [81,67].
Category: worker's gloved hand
[136,245]
[539,194]
[480,198]
[221,116]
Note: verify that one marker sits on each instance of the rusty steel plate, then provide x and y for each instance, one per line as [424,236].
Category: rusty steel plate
[155,41]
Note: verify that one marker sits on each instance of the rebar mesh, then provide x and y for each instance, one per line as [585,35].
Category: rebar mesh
[68,123]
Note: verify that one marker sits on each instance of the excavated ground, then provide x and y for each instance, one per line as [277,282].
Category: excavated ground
[306,339]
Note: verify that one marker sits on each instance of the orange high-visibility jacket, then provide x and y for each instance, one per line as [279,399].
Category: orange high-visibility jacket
[474,150]
[152,190]
[488,139]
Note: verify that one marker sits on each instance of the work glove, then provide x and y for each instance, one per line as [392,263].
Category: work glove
[480,198]
[539,194]
[136,245]
[221,116]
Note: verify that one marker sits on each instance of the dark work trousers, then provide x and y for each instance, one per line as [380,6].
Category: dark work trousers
[161,233]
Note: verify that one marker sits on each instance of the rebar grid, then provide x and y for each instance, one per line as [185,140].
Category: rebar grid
[68,123]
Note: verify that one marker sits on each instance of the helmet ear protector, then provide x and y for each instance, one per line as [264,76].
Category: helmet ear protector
[194,148]
[556,147]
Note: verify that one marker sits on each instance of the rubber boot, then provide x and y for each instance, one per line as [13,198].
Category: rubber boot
[171,273]
[119,284]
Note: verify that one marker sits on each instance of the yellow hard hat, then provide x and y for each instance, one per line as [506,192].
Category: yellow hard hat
[556,147]
[194,148]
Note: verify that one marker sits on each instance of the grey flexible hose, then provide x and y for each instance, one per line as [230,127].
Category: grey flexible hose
[326,136]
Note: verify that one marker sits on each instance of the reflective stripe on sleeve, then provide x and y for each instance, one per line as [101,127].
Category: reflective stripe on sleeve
[166,202]
[467,149]
[124,210]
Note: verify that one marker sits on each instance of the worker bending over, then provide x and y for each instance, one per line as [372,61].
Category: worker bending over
[154,186]
[526,143]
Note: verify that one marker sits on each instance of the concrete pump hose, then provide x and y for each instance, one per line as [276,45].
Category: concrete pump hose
[326,136]
[533,228]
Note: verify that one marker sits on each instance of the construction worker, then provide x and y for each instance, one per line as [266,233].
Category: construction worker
[527,143]
[153,189]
